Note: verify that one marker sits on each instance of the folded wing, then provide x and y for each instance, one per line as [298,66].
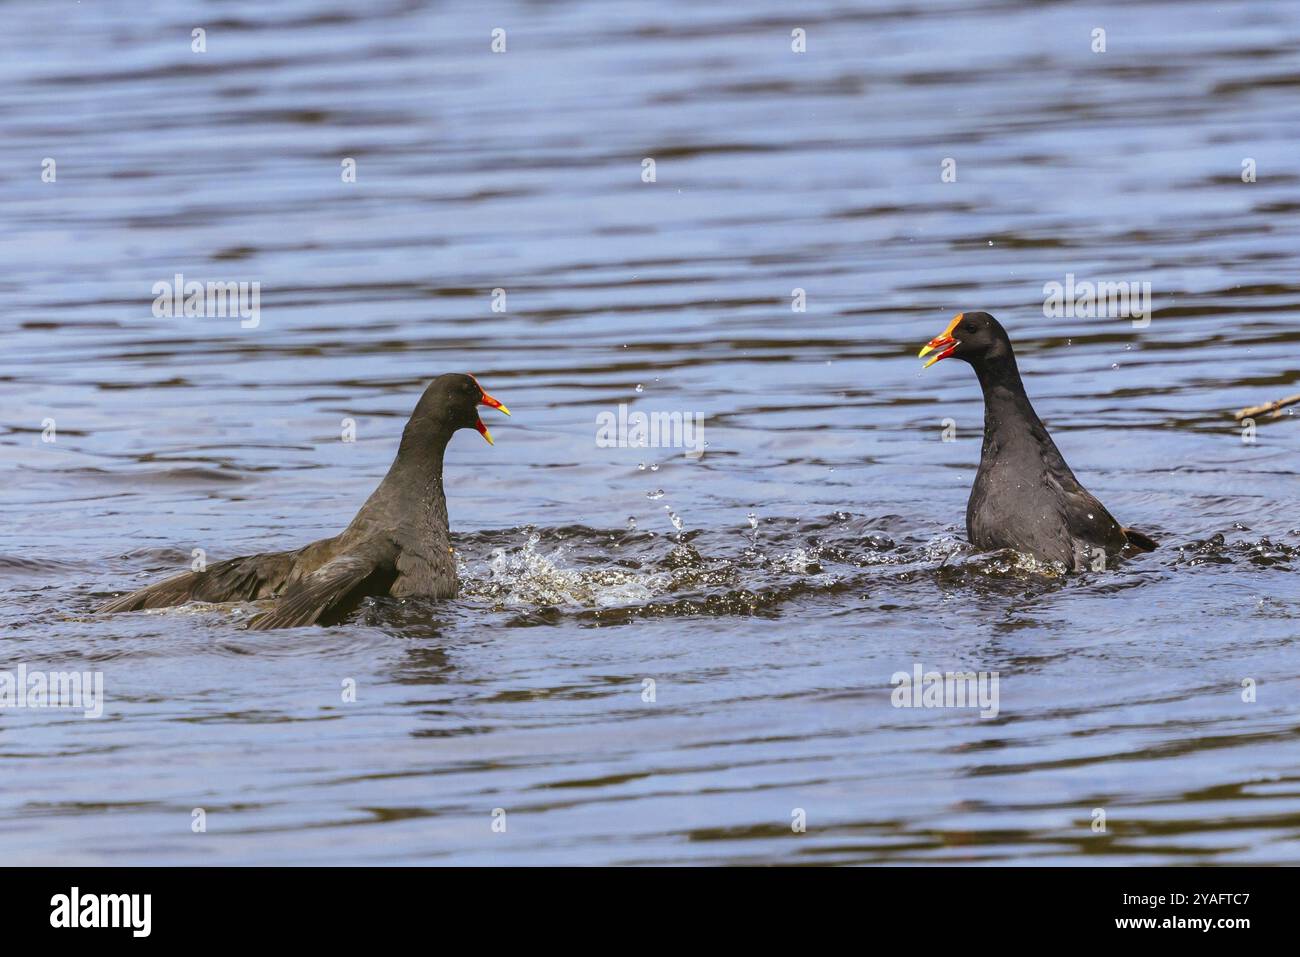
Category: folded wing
[329,592]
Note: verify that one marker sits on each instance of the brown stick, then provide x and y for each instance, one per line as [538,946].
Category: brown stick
[1274,407]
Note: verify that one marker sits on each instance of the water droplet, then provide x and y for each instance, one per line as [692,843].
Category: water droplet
[753,521]
[657,493]
[654,467]
[640,387]
[631,523]
[675,519]
[640,466]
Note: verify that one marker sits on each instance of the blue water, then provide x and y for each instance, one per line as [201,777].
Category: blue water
[771,644]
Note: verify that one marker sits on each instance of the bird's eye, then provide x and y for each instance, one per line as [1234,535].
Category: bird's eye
[969,327]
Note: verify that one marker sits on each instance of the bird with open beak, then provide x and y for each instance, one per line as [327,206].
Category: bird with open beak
[398,544]
[1025,496]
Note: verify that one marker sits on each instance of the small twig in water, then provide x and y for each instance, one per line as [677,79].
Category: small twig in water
[1274,407]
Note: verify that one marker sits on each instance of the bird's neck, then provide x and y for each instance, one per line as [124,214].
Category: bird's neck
[412,491]
[1009,417]
[1004,392]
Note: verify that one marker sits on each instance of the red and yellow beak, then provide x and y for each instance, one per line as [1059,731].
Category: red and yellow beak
[944,341]
[485,399]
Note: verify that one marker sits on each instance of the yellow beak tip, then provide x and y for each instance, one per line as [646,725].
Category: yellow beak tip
[502,408]
[488,435]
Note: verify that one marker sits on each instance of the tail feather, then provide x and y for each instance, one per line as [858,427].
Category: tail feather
[1140,541]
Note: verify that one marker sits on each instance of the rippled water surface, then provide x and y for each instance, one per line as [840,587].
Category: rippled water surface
[820,547]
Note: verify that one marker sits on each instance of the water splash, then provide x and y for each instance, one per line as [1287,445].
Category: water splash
[528,577]
[675,519]
[616,575]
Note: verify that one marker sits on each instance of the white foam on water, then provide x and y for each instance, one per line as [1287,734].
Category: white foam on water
[525,576]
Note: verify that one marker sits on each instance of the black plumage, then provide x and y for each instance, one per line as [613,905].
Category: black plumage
[398,543]
[1025,496]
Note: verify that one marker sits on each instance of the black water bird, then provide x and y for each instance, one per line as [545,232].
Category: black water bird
[1025,497]
[396,545]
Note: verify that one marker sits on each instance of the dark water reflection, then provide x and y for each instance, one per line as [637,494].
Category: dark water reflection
[771,644]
